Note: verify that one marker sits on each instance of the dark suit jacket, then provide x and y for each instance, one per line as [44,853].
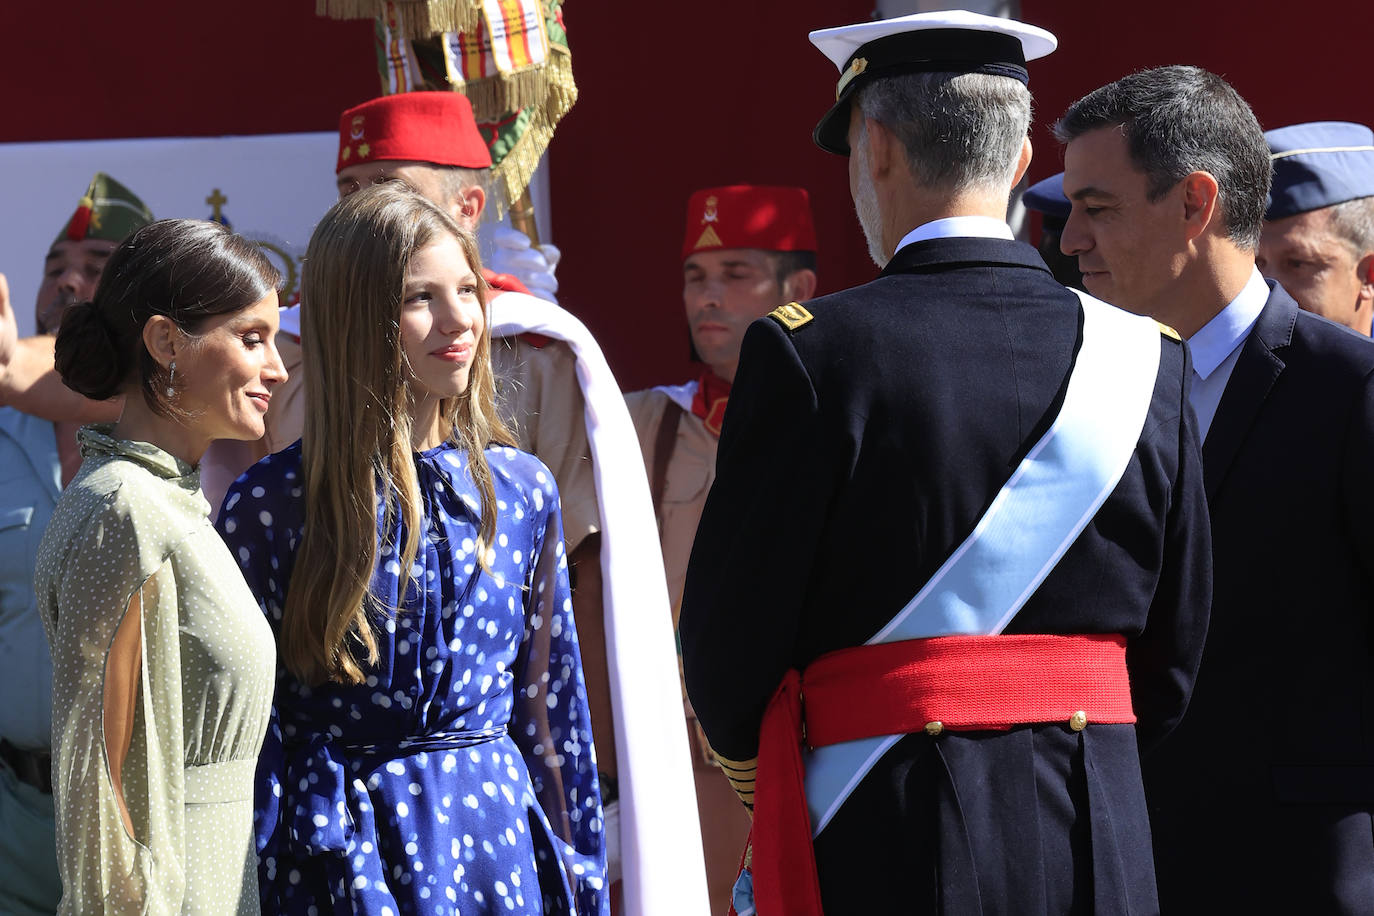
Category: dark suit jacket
[858,452]
[1261,800]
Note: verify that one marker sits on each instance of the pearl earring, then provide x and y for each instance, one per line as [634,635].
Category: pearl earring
[171,375]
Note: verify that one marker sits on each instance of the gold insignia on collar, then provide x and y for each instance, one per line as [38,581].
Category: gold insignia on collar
[856,66]
[791,315]
[1168,331]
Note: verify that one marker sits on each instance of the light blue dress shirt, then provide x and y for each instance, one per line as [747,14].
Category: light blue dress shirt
[978,227]
[30,483]
[1216,347]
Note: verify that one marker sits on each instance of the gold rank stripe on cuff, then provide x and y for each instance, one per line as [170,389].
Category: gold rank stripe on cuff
[791,316]
[741,774]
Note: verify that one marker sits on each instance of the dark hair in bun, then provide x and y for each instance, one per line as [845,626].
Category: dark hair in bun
[188,270]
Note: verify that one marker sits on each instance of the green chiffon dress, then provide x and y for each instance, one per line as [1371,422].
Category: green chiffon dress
[134,521]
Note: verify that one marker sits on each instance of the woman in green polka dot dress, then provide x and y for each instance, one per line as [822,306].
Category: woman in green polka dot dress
[162,663]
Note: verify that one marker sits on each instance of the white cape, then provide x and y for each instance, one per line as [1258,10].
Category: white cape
[660,836]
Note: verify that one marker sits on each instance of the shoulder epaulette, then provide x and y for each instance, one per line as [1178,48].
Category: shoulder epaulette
[791,316]
[1168,331]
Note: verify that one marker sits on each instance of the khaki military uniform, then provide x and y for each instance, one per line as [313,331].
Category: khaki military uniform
[538,395]
[687,472]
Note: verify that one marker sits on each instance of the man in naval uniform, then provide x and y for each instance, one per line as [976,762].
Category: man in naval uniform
[1263,800]
[37,459]
[1318,239]
[876,567]
[747,249]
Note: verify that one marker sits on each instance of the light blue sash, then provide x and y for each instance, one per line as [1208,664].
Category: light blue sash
[1039,513]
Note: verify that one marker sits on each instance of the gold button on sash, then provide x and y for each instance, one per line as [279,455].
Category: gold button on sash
[934,728]
[1078,721]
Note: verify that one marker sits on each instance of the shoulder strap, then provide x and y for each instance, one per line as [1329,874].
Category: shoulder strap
[665,440]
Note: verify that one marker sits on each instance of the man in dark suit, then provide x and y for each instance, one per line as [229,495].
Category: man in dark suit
[1261,801]
[867,434]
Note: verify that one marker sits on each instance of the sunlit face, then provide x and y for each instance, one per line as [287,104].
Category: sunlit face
[441,321]
[724,291]
[71,272]
[1129,248]
[1318,267]
[224,380]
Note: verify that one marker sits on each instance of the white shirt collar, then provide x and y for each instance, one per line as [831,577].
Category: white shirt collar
[978,227]
[1220,337]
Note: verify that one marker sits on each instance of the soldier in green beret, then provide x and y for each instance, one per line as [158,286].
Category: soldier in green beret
[37,458]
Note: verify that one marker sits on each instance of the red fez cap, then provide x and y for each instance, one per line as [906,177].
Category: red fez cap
[435,127]
[749,216]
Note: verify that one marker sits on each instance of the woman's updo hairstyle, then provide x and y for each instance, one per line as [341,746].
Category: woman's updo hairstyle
[186,269]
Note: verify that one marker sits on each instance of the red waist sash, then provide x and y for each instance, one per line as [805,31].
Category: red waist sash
[961,683]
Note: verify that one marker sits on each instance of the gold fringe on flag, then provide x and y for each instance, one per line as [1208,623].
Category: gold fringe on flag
[513,173]
[535,95]
[420,19]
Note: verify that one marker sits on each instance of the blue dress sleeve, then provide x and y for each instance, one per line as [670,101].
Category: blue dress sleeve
[551,722]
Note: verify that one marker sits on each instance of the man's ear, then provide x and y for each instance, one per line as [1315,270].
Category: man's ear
[468,205]
[1023,161]
[1365,271]
[1201,202]
[799,285]
[884,150]
[163,339]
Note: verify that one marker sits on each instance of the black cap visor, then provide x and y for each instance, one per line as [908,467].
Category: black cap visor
[922,51]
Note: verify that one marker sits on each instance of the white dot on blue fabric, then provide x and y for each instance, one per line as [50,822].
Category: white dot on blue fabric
[436,822]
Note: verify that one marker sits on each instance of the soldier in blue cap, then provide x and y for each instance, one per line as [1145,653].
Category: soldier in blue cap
[1318,236]
[1046,197]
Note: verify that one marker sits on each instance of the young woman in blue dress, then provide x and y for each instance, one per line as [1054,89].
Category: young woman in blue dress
[431,751]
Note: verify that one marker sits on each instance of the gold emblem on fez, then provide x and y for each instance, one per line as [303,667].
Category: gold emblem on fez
[710,215]
[363,150]
[347,151]
[356,128]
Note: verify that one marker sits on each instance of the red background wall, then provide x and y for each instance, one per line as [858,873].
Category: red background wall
[673,98]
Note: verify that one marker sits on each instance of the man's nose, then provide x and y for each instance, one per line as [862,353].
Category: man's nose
[1075,239]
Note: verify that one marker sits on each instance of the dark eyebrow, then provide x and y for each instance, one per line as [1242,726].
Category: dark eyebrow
[1090,191]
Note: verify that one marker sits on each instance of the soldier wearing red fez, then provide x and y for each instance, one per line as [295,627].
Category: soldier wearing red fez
[746,250]
[954,571]
[37,459]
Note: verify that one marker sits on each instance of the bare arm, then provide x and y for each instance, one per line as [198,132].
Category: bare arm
[121,694]
[28,381]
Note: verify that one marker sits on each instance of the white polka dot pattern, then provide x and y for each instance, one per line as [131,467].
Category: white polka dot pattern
[134,520]
[461,777]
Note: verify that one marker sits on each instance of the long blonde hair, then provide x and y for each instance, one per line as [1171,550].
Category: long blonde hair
[357,434]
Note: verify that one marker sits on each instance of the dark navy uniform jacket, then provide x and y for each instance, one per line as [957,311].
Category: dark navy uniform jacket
[1262,801]
[859,450]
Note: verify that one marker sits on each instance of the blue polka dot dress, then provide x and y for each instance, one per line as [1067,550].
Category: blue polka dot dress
[460,778]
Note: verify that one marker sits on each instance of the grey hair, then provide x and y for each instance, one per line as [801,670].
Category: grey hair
[457,179]
[960,130]
[1353,221]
